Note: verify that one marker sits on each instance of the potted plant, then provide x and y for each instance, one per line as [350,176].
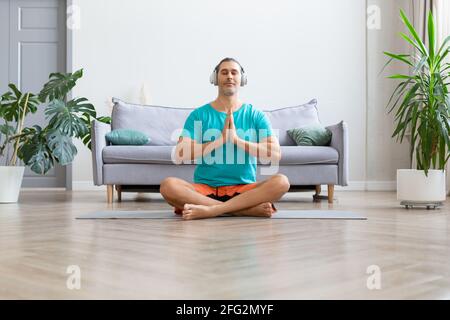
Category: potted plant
[37,147]
[421,105]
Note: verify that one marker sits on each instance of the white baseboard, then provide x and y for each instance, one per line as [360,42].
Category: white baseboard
[42,189]
[86,186]
[381,185]
[352,186]
[369,186]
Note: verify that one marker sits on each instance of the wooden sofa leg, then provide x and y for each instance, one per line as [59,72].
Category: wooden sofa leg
[316,196]
[318,189]
[109,192]
[119,192]
[330,193]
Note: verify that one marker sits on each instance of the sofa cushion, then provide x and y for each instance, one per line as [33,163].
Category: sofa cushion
[308,155]
[162,154]
[127,137]
[292,117]
[161,124]
[314,135]
[137,154]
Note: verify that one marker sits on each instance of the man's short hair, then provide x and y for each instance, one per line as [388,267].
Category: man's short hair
[217,68]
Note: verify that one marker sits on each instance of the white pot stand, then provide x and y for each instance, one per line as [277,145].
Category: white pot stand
[414,188]
[428,204]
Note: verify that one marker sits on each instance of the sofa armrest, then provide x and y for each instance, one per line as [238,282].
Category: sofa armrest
[339,141]
[98,142]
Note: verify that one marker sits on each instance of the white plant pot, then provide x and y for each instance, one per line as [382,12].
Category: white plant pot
[414,186]
[10,182]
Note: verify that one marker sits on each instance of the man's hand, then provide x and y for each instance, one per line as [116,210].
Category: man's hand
[229,130]
[268,149]
[232,134]
[225,129]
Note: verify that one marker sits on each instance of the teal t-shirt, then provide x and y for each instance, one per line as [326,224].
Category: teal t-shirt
[228,164]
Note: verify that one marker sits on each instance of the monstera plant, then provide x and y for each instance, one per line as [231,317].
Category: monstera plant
[41,147]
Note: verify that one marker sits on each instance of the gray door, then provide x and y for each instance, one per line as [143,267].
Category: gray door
[33,45]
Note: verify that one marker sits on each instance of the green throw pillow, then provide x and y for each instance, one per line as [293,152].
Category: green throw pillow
[127,137]
[314,135]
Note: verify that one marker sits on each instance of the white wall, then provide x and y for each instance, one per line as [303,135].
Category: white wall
[292,51]
[384,154]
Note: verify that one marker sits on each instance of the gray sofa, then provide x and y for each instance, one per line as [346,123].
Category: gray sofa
[142,168]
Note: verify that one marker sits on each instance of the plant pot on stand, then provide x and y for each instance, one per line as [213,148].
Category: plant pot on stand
[421,103]
[10,182]
[39,147]
[416,188]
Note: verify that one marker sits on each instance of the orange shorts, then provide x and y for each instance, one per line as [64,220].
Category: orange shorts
[222,193]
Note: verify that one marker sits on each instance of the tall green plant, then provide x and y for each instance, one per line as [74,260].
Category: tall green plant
[40,147]
[421,101]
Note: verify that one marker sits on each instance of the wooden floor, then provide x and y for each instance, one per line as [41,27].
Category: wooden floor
[223,258]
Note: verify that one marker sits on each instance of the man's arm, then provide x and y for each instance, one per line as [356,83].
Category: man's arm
[267,149]
[189,149]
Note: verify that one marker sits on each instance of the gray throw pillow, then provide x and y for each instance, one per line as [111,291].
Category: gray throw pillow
[127,137]
[314,135]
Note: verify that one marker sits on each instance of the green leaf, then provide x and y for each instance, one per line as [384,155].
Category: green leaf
[7,129]
[65,117]
[390,60]
[397,92]
[413,32]
[79,105]
[104,119]
[414,44]
[34,151]
[414,119]
[441,58]
[400,76]
[443,45]
[431,36]
[16,91]
[41,161]
[398,57]
[87,120]
[61,147]
[420,64]
[59,85]
[13,104]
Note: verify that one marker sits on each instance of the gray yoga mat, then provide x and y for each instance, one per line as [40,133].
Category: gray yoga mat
[167,214]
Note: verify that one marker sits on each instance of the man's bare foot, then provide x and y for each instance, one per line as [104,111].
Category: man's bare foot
[262,210]
[198,211]
[194,211]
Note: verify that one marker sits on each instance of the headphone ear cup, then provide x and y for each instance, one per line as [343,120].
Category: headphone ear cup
[243,80]
[213,78]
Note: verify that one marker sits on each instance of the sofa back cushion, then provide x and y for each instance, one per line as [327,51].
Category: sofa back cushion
[160,123]
[292,117]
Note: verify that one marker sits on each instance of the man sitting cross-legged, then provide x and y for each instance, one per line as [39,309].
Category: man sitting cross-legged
[225,179]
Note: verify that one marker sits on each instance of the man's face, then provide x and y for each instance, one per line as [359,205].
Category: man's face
[229,78]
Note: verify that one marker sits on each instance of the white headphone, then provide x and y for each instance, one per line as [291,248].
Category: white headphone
[213,78]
